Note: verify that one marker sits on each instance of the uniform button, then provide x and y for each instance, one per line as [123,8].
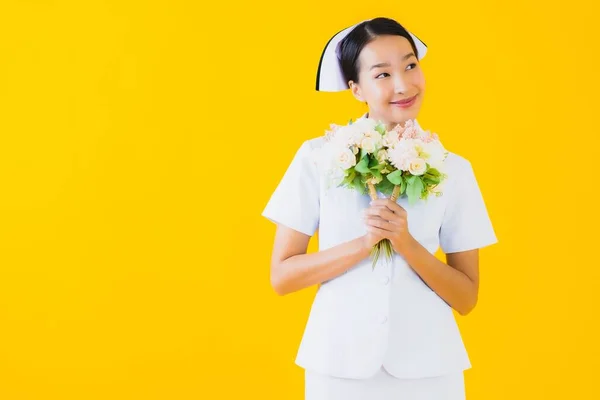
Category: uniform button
[384,320]
[385,280]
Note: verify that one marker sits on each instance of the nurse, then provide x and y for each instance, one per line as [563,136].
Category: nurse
[389,332]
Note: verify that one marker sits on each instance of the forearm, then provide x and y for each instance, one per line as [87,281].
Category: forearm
[452,285]
[304,270]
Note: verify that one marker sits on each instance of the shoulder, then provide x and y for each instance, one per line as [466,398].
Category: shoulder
[312,144]
[304,157]
[305,147]
[457,163]
[307,151]
[459,173]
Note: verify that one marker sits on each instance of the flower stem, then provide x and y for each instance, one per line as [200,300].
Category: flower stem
[395,193]
[372,191]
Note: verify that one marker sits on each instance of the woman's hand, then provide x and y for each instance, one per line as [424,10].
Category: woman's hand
[371,238]
[387,219]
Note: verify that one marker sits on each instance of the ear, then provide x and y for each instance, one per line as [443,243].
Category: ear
[356,91]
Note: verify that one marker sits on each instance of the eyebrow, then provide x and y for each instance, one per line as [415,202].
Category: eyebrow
[381,65]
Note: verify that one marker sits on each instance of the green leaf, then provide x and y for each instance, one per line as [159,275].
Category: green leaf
[386,165]
[373,162]
[414,189]
[433,172]
[431,180]
[381,129]
[349,177]
[363,166]
[357,184]
[402,187]
[395,177]
[363,153]
[386,187]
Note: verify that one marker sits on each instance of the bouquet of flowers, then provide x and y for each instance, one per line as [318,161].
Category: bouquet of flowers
[366,157]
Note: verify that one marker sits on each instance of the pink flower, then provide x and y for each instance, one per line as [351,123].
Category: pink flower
[410,133]
[409,130]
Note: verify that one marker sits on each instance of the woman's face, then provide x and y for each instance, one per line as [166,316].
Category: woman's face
[389,72]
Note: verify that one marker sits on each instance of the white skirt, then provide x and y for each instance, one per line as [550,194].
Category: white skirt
[384,386]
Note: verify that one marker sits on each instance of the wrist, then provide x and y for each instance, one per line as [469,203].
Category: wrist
[407,244]
[365,246]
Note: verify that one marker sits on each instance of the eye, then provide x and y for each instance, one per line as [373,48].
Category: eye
[415,65]
[383,73]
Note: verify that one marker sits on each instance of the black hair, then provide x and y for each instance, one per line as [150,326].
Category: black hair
[360,36]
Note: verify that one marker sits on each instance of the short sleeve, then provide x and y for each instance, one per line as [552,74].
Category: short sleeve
[295,201]
[466,224]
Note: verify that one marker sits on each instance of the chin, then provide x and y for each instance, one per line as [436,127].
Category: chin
[403,115]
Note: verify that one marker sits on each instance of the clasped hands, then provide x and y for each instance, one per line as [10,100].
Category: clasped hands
[386,219]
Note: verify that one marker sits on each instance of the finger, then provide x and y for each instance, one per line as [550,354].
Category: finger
[382,224]
[375,210]
[367,219]
[377,232]
[386,214]
[394,226]
[391,205]
[395,207]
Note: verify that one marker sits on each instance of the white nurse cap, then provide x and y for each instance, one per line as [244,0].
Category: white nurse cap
[329,75]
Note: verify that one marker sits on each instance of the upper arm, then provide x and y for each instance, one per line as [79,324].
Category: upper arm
[288,243]
[294,207]
[466,226]
[466,262]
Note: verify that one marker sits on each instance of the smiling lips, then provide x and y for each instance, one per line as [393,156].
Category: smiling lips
[405,103]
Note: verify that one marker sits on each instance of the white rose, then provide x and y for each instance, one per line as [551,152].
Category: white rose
[372,141]
[390,139]
[342,137]
[355,133]
[357,137]
[365,124]
[417,166]
[345,159]
[368,144]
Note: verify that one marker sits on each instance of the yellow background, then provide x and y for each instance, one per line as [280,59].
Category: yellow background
[140,141]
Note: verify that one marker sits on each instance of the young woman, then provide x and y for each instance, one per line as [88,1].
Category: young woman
[387,332]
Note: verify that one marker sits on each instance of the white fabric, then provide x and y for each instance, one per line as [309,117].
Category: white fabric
[330,77]
[366,318]
[383,386]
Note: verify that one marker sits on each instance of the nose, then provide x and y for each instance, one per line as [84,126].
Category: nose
[400,83]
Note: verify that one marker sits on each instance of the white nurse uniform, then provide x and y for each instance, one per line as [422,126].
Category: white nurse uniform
[369,330]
